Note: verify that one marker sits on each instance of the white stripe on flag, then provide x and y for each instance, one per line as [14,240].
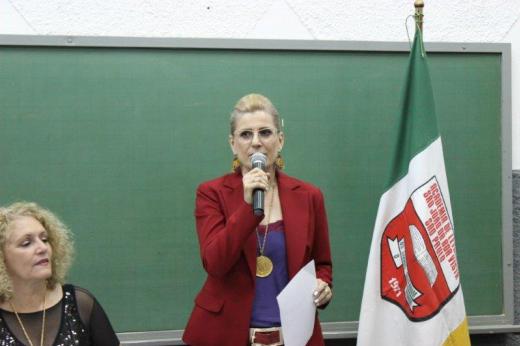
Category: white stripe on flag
[386,320]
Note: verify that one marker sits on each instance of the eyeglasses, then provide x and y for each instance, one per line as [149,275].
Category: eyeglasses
[264,134]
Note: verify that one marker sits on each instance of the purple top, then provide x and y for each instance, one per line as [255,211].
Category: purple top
[265,307]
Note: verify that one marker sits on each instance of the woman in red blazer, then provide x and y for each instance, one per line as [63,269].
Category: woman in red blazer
[249,259]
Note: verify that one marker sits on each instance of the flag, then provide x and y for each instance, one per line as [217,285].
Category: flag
[412,293]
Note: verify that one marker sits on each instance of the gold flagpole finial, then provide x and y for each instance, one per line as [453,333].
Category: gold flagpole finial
[419,5]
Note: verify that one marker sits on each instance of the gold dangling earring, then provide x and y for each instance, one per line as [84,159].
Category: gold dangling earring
[235,163]
[279,162]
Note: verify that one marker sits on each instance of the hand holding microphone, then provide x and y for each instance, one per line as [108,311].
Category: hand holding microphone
[256,182]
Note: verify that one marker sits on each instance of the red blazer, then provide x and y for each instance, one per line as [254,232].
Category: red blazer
[226,230]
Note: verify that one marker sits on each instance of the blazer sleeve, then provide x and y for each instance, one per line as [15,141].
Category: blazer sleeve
[321,244]
[221,239]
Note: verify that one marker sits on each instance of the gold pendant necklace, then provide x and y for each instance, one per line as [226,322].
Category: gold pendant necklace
[23,328]
[264,265]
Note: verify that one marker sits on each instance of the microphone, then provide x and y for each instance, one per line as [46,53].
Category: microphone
[258,160]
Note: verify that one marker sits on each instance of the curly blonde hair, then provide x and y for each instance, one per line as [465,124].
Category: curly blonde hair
[60,240]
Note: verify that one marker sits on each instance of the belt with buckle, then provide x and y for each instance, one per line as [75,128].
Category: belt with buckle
[266,336]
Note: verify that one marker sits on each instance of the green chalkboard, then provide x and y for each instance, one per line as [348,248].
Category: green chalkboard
[116,140]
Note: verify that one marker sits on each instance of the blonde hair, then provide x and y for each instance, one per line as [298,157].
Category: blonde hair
[252,103]
[60,240]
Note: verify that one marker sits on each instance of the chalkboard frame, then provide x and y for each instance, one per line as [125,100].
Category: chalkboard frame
[333,330]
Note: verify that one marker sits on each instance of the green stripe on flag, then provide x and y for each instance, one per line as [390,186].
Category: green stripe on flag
[417,124]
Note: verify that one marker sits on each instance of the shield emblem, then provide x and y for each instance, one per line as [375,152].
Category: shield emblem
[418,260]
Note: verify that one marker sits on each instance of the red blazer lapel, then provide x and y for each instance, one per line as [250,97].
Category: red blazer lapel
[233,195]
[295,210]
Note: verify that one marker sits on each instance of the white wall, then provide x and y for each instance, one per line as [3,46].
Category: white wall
[356,20]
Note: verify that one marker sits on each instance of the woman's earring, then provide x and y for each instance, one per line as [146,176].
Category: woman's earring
[235,163]
[279,162]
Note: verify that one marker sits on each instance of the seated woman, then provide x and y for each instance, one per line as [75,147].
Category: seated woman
[250,258]
[36,308]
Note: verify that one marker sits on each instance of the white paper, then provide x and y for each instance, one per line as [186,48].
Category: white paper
[297,309]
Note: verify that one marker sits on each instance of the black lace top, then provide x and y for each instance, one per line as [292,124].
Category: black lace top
[77,319]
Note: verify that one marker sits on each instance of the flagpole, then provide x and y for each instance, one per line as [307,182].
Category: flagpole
[419,5]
